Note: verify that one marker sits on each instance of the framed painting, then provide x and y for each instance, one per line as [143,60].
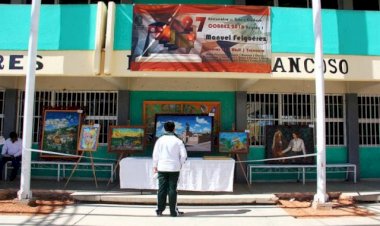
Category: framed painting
[151,108]
[234,142]
[289,141]
[195,130]
[88,139]
[126,139]
[60,132]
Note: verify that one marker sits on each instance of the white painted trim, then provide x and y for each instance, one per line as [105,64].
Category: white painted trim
[110,34]
[99,36]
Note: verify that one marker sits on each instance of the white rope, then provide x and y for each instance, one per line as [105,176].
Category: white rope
[247,161]
[270,159]
[66,155]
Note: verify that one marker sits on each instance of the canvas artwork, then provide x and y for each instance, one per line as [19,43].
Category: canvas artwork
[195,130]
[151,108]
[289,141]
[126,139]
[60,132]
[233,142]
[88,140]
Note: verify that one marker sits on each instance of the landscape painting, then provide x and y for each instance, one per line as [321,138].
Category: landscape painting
[60,132]
[151,108]
[195,130]
[125,139]
[233,142]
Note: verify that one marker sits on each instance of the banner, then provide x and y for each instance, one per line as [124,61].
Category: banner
[201,38]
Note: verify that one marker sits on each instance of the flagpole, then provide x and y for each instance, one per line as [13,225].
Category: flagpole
[321,195]
[24,193]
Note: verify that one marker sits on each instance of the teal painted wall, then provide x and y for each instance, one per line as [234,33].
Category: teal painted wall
[369,158]
[123,27]
[345,32]
[62,27]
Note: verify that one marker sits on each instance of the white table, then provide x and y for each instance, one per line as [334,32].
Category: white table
[197,174]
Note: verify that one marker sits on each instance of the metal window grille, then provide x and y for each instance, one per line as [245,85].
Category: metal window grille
[2,96]
[293,109]
[369,120]
[100,107]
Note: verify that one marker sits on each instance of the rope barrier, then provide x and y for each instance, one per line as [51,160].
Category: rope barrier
[107,159]
[66,155]
[282,158]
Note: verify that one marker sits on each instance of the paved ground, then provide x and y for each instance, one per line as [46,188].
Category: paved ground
[109,214]
[88,214]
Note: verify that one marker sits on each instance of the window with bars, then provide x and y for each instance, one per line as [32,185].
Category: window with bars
[2,97]
[100,107]
[369,120]
[293,109]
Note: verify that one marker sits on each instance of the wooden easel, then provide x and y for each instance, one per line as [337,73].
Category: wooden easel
[76,166]
[121,156]
[242,169]
[239,160]
[86,150]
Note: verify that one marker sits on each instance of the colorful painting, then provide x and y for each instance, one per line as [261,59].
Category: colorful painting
[89,135]
[151,108]
[60,132]
[233,142]
[214,38]
[126,139]
[289,141]
[194,130]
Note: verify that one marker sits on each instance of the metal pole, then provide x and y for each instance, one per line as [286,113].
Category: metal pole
[27,130]
[321,196]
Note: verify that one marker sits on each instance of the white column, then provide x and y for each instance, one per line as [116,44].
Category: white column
[27,130]
[321,196]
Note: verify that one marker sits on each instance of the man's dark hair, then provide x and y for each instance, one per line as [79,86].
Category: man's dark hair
[13,135]
[169,126]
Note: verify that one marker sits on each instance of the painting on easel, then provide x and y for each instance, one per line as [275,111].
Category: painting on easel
[234,142]
[88,140]
[126,139]
[60,132]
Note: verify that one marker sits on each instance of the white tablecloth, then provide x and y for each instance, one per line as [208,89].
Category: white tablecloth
[196,175]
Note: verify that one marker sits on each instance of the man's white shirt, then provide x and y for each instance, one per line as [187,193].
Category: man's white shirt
[169,154]
[12,149]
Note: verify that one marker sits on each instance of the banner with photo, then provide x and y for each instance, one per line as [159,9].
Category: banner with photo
[208,38]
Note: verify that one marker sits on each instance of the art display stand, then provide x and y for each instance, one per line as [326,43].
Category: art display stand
[242,169]
[121,156]
[76,166]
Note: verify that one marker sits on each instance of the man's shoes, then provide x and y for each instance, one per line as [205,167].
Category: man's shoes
[158,213]
[177,213]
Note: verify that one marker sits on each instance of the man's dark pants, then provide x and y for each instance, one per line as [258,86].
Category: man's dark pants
[167,185]
[16,163]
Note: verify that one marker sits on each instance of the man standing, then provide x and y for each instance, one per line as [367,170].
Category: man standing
[12,150]
[169,154]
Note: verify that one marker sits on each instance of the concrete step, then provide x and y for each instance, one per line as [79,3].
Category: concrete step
[138,198]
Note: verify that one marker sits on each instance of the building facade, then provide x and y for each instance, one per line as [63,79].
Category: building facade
[83,60]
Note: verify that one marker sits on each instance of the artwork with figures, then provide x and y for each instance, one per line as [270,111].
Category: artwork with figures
[60,132]
[233,142]
[88,140]
[151,108]
[289,141]
[126,139]
[195,130]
